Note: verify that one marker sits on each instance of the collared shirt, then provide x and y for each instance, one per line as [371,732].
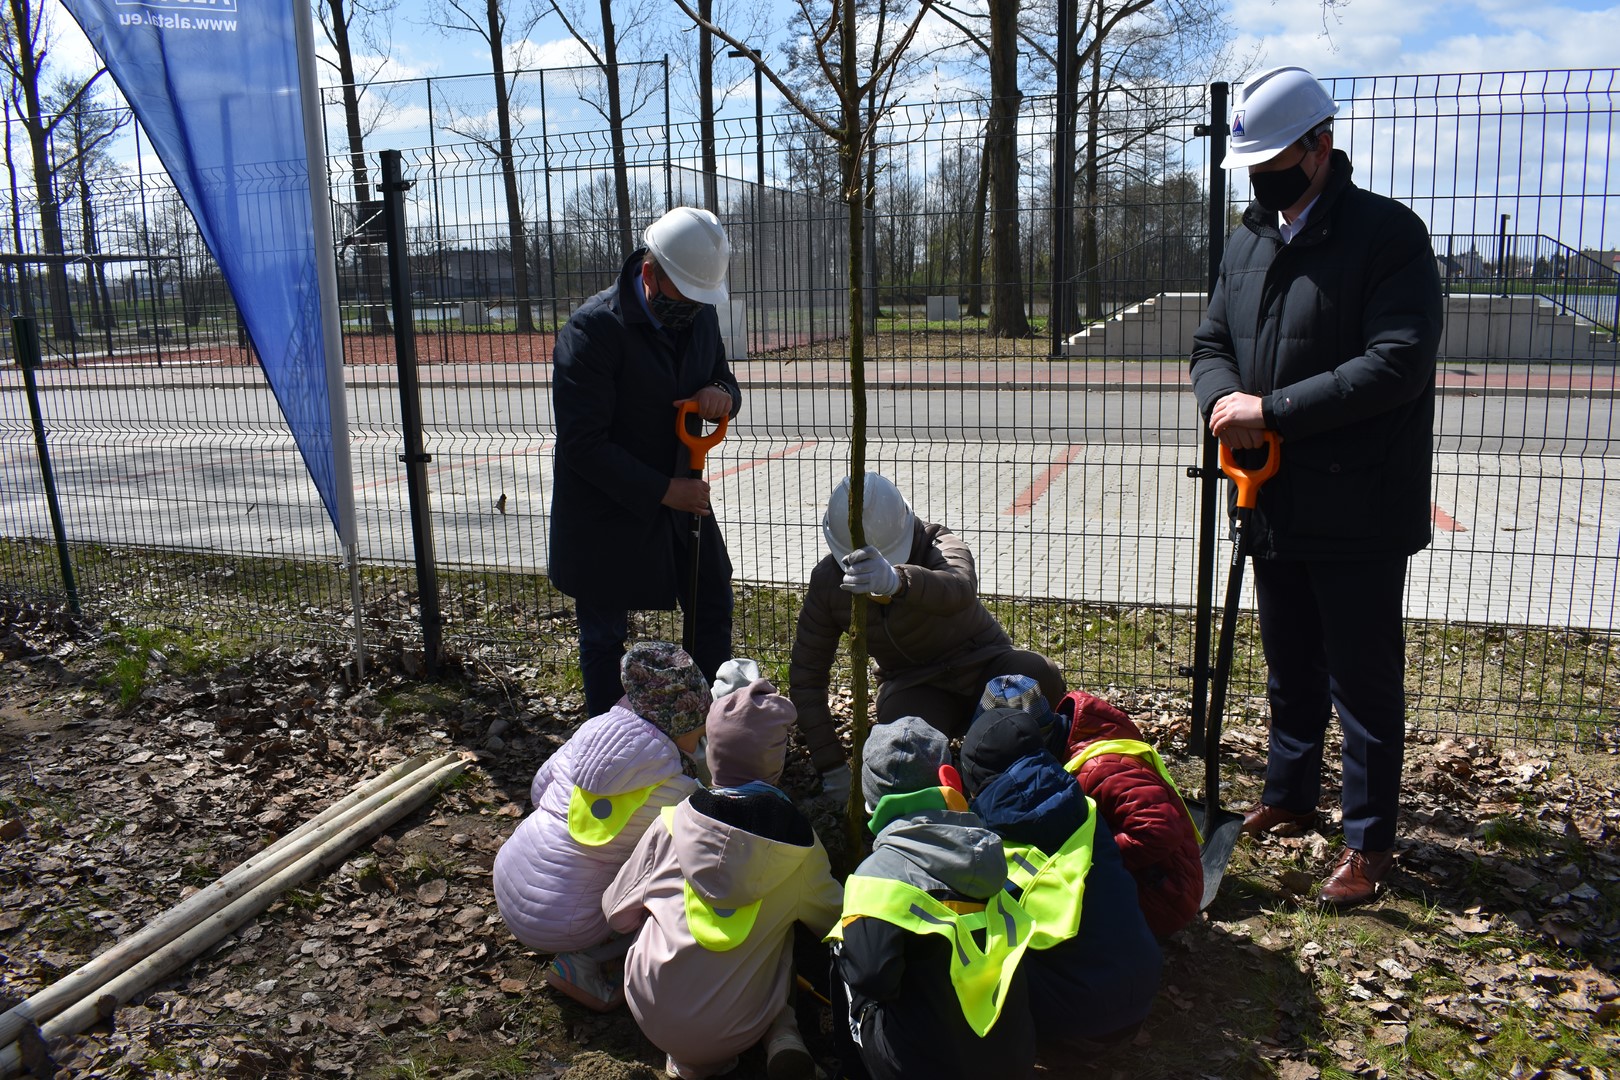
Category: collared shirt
[1289,231]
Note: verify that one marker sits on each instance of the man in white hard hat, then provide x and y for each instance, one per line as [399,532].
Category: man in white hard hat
[622,497]
[934,643]
[1323,327]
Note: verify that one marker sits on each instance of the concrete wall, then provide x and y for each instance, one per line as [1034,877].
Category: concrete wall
[1477,328]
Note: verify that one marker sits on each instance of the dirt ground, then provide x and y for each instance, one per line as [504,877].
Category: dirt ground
[1497,937]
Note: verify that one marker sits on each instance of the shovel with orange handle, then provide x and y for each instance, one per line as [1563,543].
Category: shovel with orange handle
[689,428]
[1221,828]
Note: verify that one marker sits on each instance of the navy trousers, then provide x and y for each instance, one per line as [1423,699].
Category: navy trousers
[603,629]
[1334,640]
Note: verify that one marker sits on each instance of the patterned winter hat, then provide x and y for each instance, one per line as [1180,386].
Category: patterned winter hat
[665,687]
[1024,694]
[748,735]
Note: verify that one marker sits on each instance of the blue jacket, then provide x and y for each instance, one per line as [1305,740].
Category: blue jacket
[1101,982]
[614,378]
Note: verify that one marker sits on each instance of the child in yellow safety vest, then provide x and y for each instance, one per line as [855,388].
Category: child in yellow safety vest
[593,799]
[1093,962]
[711,895]
[928,953]
[1105,752]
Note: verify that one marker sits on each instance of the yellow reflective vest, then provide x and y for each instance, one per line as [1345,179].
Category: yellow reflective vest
[1138,749]
[594,819]
[717,929]
[981,976]
[1052,888]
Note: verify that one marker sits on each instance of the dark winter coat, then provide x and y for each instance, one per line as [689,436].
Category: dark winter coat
[934,631]
[614,378]
[1100,984]
[1338,333]
[897,984]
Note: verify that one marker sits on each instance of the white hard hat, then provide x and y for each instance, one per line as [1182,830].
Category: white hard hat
[1273,109]
[885,515]
[692,249]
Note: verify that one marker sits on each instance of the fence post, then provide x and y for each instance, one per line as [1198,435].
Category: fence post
[394,186]
[25,338]
[1208,473]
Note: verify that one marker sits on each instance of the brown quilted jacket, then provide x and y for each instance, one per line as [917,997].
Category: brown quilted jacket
[934,631]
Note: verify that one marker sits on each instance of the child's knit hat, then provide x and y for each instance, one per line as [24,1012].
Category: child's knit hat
[748,735]
[665,687]
[995,740]
[1024,693]
[900,757]
[733,675]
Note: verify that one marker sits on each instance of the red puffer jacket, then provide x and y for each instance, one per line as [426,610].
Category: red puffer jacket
[1155,833]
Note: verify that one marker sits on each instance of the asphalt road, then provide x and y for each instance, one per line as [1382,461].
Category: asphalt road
[1079,493]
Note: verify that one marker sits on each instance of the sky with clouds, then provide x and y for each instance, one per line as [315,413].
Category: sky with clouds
[1357,37]
[1392,37]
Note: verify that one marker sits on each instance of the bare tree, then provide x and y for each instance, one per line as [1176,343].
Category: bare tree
[366,22]
[25,45]
[604,54]
[88,125]
[460,16]
[1007,316]
[841,33]
[1121,51]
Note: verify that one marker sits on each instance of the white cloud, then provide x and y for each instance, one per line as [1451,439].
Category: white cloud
[1389,37]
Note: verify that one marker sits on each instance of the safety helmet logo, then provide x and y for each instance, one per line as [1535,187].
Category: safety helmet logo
[1237,124]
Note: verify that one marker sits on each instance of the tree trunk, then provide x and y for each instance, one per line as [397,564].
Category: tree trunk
[23,24]
[854,200]
[514,203]
[621,169]
[1090,256]
[95,273]
[975,267]
[368,213]
[1007,317]
[1065,305]
[711,166]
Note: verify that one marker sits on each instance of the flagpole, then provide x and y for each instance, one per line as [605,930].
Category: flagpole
[320,198]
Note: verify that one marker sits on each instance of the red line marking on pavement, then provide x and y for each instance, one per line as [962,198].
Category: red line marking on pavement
[1445,522]
[1026,500]
[756,462]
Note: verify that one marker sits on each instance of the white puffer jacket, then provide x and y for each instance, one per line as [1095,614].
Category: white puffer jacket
[549,885]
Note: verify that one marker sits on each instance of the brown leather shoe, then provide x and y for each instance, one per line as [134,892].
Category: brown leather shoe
[1265,818]
[1354,877]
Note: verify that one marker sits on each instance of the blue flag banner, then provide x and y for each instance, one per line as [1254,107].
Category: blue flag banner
[218,88]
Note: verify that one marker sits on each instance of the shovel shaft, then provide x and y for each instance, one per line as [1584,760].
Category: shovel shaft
[698,446]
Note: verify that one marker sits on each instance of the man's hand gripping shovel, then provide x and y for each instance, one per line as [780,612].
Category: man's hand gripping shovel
[1221,828]
[689,428]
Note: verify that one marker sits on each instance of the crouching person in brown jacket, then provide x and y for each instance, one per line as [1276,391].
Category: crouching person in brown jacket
[935,645]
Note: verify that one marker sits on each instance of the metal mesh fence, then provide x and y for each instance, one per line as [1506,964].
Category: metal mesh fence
[1062,457]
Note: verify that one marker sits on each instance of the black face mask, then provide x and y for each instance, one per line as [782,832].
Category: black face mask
[674,314]
[1277,191]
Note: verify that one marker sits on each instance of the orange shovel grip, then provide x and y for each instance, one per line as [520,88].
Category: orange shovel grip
[699,445]
[1248,481]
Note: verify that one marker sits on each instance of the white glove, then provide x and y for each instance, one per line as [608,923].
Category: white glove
[835,783]
[867,571]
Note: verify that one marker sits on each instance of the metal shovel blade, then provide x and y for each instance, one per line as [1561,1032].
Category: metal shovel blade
[1220,837]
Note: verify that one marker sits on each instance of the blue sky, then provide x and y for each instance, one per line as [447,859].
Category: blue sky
[1363,37]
